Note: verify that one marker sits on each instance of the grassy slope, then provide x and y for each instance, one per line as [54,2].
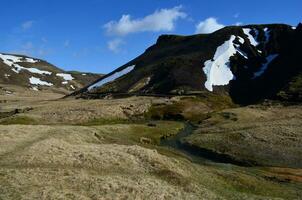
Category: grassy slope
[72,152]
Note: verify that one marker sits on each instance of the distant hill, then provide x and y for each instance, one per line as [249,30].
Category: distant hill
[37,74]
[248,63]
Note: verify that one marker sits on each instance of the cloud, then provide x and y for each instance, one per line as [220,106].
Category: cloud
[160,20]
[115,45]
[30,49]
[209,25]
[27,25]
[66,43]
[44,40]
[236,15]
[27,46]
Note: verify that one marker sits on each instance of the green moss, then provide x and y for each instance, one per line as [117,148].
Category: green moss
[193,108]
[162,129]
[133,133]
[102,121]
[25,120]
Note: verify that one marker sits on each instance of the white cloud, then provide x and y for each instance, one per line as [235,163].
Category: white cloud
[115,45]
[27,46]
[209,25]
[66,43]
[44,40]
[160,20]
[27,25]
[236,15]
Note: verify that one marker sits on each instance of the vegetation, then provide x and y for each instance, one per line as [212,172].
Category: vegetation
[25,120]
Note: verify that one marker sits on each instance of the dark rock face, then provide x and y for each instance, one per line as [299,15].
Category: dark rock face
[175,65]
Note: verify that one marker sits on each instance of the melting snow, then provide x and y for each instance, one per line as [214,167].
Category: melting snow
[112,77]
[241,40]
[35,88]
[38,81]
[66,77]
[269,59]
[217,70]
[11,61]
[250,37]
[267,34]
[36,71]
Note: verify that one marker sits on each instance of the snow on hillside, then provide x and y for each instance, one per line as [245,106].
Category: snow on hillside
[217,70]
[112,77]
[267,34]
[247,32]
[36,71]
[66,77]
[12,61]
[269,59]
[38,81]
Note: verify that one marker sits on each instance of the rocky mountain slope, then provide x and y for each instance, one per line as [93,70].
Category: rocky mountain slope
[36,74]
[248,63]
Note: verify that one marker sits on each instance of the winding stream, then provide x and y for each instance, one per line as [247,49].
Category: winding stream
[196,153]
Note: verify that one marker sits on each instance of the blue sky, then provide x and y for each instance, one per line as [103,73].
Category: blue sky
[101,35]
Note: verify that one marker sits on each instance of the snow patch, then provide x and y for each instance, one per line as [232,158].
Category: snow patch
[218,70]
[72,87]
[241,40]
[269,59]
[267,35]
[38,81]
[112,77]
[34,88]
[11,61]
[37,71]
[66,77]
[253,41]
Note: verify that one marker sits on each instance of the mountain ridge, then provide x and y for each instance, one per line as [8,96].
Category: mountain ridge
[37,74]
[174,64]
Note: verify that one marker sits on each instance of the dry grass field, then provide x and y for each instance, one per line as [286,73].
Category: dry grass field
[52,148]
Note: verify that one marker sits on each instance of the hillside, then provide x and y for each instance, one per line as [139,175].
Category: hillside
[248,63]
[35,74]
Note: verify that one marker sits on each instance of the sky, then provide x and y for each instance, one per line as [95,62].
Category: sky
[101,35]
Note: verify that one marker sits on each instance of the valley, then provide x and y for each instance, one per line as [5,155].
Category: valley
[117,148]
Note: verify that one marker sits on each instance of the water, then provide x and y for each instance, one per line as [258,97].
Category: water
[197,154]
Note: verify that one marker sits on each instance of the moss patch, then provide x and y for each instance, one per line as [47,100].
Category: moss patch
[25,120]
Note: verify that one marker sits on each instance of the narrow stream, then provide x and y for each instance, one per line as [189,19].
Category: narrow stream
[197,154]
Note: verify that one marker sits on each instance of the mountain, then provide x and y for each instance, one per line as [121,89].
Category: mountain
[37,74]
[248,63]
